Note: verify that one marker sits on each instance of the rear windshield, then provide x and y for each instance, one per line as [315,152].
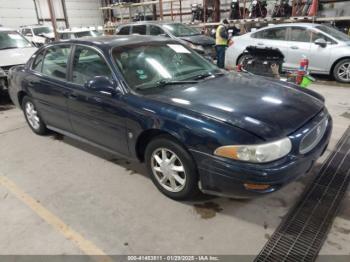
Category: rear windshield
[42,30]
[88,33]
[179,30]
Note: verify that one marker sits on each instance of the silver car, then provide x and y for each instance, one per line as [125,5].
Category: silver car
[327,49]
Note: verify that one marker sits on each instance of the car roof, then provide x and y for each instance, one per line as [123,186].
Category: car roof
[150,23]
[116,40]
[292,24]
[34,26]
[76,30]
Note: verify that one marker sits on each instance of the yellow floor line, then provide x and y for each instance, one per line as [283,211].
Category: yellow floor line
[83,244]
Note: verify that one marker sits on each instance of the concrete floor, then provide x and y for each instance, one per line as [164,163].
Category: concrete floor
[63,197]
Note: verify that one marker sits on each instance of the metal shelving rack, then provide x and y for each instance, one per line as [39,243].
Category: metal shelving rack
[144,5]
[276,20]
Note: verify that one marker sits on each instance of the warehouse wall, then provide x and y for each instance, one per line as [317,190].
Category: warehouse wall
[84,12]
[14,13]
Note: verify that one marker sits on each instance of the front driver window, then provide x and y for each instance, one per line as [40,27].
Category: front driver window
[87,64]
[55,61]
[38,62]
[317,35]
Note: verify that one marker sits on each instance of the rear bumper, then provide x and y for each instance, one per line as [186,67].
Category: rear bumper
[225,177]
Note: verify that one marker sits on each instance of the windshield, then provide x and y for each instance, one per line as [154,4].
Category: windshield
[146,65]
[181,30]
[12,39]
[334,32]
[42,30]
[88,33]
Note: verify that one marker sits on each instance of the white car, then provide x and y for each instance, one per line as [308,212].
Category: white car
[327,49]
[14,50]
[38,34]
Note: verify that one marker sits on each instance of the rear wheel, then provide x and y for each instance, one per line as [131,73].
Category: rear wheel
[341,71]
[172,169]
[33,117]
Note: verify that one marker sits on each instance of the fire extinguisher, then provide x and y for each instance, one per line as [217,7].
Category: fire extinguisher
[302,70]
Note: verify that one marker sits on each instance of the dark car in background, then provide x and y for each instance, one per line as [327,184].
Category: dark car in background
[157,101]
[189,36]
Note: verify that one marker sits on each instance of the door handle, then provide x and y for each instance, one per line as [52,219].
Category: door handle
[294,47]
[260,43]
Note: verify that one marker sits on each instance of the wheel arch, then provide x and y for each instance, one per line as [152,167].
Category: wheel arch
[239,57]
[147,136]
[20,95]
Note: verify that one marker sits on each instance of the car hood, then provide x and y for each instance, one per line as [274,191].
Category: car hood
[267,108]
[16,56]
[199,39]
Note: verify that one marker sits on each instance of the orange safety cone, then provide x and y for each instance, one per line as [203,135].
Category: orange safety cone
[313,8]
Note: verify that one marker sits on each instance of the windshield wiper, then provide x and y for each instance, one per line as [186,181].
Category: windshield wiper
[207,74]
[164,82]
[9,47]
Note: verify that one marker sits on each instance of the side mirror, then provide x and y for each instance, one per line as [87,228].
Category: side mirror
[102,85]
[29,34]
[321,42]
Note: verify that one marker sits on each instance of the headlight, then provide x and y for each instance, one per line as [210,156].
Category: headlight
[196,47]
[261,153]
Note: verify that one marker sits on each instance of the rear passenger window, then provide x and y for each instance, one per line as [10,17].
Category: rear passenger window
[124,30]
[300,34]
[155,30]
[55,62]
[139,29]
[87,64]
[272,34]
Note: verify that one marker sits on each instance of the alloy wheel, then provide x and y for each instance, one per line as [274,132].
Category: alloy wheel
[168,170]
[344,72]
[32,115]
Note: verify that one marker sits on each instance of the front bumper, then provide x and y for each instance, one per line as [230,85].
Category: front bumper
[226,177]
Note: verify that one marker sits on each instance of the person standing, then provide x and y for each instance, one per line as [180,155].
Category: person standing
[221,39]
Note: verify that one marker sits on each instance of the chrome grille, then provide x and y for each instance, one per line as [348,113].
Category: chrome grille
[313,137]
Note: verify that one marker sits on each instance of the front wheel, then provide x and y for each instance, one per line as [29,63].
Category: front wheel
[243,59]
[172,169]
[341,71]
[32,116]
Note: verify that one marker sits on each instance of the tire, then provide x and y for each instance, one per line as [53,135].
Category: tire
[341,71]
[32,116]
[242,59]
[185,185]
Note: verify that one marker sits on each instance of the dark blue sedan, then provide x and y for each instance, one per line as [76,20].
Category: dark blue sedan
[196,127]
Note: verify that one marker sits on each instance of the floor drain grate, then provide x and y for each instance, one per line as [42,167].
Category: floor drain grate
[301,234]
